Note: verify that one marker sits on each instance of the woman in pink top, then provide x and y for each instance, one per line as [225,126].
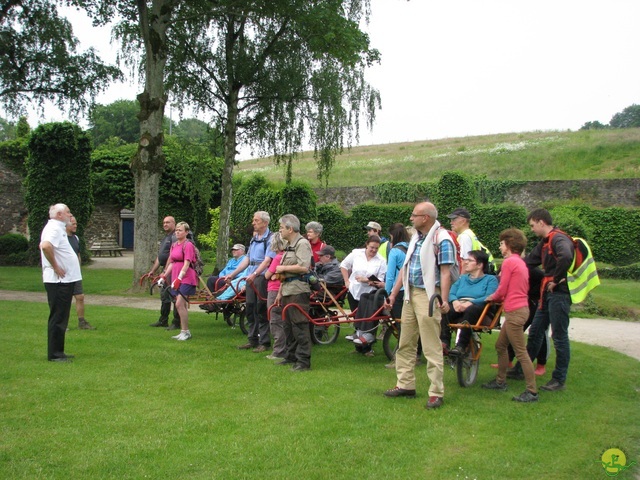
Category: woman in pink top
[184,279]
[513,292]
[276,324]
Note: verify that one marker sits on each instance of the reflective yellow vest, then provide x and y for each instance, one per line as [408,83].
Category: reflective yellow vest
[383,249]
[477,244]
[584,278]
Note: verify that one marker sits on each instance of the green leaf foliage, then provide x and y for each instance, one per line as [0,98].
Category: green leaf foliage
[494,191]
[58,171]
[189,185]
[488,221]
[627,272]
[397,192]
[300,199]
[335,224]
[616,234]
[13,243]
[13,154]
[627,118]
[111,174]
[254,194]
[14,249]
[118,119]
[209,240]
[454,190]
[569,219]
[39,60]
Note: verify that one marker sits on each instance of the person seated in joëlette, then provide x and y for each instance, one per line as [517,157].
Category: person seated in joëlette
[468,296]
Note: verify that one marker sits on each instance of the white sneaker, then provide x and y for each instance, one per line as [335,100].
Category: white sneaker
[184,336]
[176,337]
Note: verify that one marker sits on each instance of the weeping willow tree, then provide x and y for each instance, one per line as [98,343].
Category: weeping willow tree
[274,75]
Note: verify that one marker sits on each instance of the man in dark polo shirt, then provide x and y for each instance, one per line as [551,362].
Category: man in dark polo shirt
[169,226]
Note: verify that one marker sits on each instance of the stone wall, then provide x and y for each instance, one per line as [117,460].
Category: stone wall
[103,225]
[346,197]
[13,213]
[599,193]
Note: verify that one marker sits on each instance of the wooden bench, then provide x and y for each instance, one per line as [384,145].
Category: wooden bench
[106,246]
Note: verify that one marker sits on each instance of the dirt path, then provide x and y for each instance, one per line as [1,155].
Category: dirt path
[621,336]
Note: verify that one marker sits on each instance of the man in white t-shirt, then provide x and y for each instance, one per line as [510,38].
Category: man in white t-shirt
[60,272]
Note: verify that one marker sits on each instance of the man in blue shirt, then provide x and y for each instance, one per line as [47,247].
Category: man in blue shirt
[215,282]
[256,263]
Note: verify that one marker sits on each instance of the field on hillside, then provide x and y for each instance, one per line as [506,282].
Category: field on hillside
[593,154]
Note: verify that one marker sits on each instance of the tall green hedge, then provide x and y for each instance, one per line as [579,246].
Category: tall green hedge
[616,234]
[189,185]
[613,233]
[58,171]
[454,190]
[255,193]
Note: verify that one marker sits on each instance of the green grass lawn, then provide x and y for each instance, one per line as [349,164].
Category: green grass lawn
[614,298]
[548,155]
[136,404]
[96,282]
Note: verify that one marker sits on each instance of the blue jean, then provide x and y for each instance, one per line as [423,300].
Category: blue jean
[554,312]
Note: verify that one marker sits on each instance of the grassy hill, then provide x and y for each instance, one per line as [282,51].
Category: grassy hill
[593,154]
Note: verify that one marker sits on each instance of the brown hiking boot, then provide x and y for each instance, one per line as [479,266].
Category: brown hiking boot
[84,325]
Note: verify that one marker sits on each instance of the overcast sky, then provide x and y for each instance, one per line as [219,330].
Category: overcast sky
[471,67]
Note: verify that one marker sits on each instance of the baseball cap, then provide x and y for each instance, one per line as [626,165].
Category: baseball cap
[327,250]
[374,225]
[238,246]
[460,212]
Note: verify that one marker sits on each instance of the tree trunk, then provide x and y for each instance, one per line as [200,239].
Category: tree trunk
[230,130]
[148,164]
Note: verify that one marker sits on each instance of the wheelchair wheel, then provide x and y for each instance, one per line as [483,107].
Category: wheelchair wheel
[468,364]
[241,321]
[391,340]
[324,334]
[238,318]
[228,317]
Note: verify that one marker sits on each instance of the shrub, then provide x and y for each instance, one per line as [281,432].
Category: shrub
[567,219]
[58,171]
[255,193]
[494,191]
[13,243]
[189,185]
[335,223]
[16,259]
[454,190]
[299,199]
[488,221]
[397,192]
[616,234]
[210,240]
[628,272]
[13,153]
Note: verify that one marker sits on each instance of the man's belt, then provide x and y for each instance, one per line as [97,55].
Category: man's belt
[253,264]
